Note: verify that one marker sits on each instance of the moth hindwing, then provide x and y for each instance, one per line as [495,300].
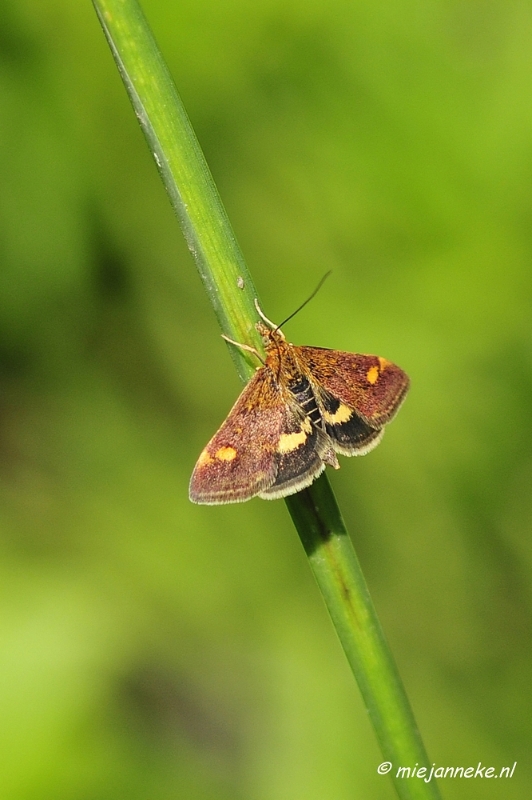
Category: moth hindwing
[304,405]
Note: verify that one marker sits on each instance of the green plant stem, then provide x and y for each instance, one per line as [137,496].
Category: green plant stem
[337,570]
[222,268]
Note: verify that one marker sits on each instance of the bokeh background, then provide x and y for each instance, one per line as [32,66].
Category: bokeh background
[153,649]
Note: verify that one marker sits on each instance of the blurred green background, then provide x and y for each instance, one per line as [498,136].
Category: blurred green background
[154,649]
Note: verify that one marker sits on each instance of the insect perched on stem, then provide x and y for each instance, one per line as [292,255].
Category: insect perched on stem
[302,407]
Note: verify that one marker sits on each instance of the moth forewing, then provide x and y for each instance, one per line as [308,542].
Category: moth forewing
[369,385]
[239,461]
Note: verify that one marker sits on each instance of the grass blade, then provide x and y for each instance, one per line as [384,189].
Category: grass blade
[230,288]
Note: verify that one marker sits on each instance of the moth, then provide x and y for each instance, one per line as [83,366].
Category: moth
[302,407]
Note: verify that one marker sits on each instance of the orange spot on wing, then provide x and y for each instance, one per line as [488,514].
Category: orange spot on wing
[225,454]
[372,374]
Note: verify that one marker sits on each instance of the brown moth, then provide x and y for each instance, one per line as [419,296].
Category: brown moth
[302,407]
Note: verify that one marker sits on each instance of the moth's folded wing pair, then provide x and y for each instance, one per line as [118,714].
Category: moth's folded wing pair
[267,446]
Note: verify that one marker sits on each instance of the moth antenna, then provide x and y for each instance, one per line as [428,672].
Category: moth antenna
[263,316]
[314,293]
[274,328]
[244,347]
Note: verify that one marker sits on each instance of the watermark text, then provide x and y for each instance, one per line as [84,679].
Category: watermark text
[428,773]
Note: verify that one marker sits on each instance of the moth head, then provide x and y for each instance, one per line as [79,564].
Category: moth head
[269,335]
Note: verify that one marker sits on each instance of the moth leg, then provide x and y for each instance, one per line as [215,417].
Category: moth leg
[243,347]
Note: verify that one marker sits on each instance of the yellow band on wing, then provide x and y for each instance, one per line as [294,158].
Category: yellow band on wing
[342,414]
[291,441]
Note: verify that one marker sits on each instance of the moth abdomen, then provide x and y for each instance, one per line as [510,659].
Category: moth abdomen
[304,396]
